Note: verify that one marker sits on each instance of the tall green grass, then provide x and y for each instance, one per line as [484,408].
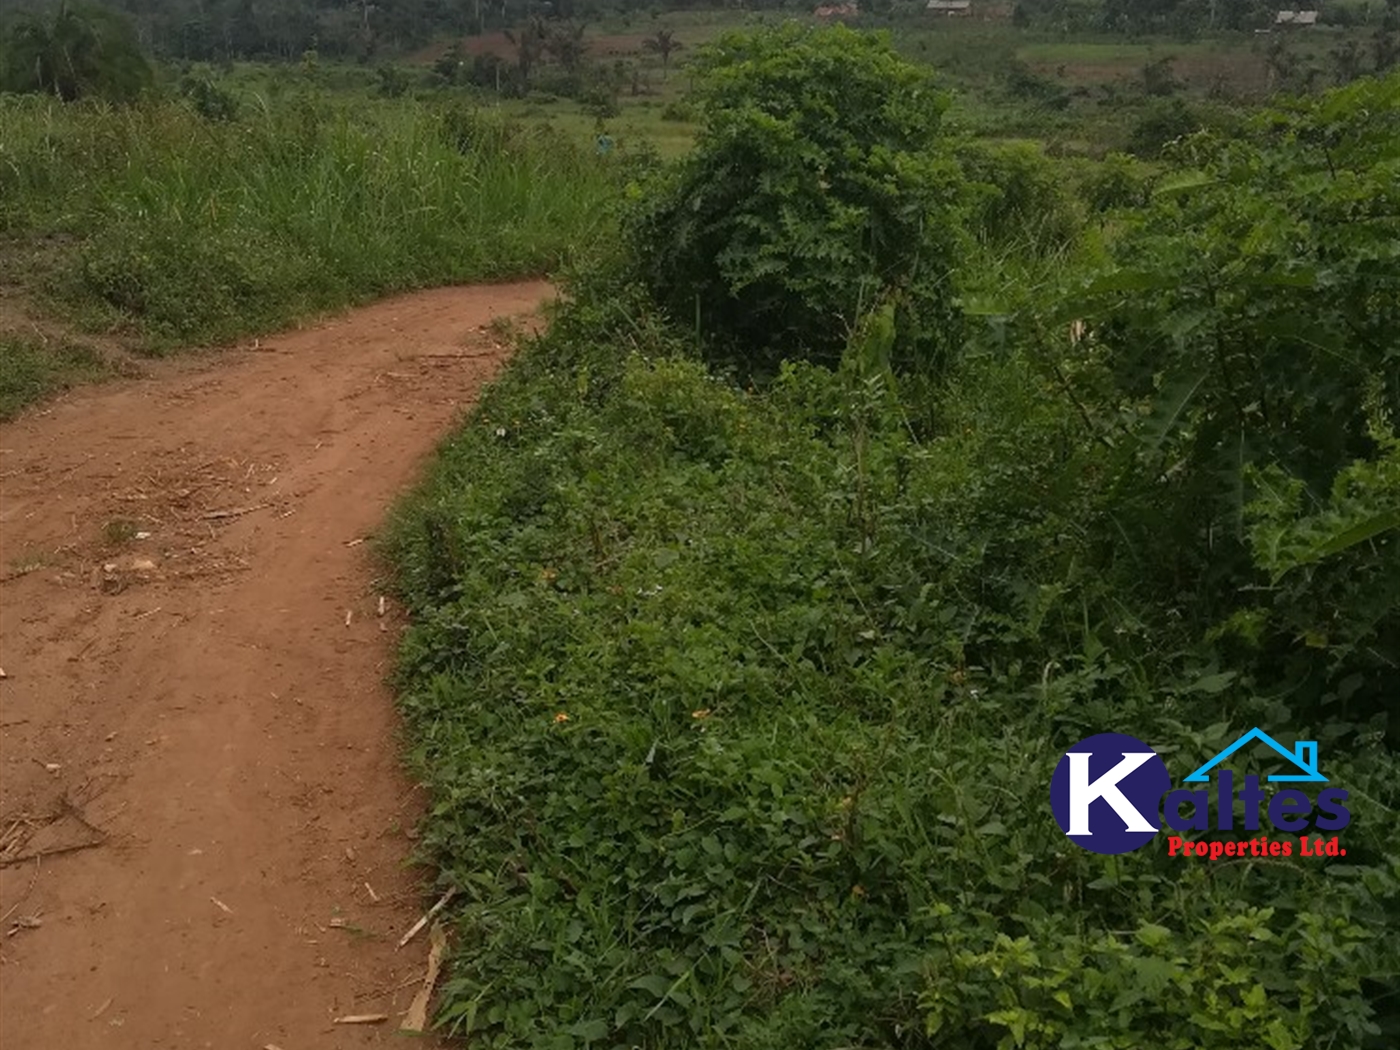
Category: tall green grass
[184,230]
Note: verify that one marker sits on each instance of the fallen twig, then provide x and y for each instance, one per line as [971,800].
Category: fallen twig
[24,922]
[15,906]
[222,905]
[6,862]
[234,512]
[362,1019]
[417,1018]
[418,926]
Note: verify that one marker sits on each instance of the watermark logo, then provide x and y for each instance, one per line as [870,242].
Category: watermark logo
[1111,794]
[1106,793]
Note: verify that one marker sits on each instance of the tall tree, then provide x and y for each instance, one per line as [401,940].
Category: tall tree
[77,52]
[664,43]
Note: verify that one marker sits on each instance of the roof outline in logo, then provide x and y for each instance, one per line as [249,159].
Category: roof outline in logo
[1303,756]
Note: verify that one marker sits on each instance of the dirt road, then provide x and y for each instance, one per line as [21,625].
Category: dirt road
[203,816]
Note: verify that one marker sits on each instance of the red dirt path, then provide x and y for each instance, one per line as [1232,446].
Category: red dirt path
[198,717]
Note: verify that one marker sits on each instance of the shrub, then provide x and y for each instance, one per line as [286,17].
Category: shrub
[1160,124]
[812,194]
[1245,354]
[681,112]
[1118,181]
[1027,203]
[209,100]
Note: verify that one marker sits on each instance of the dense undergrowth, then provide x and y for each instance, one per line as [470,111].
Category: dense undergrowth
[740,703]
[158,221]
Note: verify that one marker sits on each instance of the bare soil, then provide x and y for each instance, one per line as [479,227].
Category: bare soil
[204,826]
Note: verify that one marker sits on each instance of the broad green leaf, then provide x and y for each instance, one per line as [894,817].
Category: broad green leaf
[1171,405]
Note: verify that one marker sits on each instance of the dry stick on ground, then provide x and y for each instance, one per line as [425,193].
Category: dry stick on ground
[417,1018]
[15,906]
[417,926]
[362,1019]
[234,512]
[56,851]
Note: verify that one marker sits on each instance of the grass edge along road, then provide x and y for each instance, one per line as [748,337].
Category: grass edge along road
[154,225]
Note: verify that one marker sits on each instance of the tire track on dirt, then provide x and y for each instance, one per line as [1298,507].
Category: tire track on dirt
[195,705]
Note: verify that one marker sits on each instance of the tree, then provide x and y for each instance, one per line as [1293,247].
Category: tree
[665,44]
[529,45]
[814,195]
[565,45]
[80,51]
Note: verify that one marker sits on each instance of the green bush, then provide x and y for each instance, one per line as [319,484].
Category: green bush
[679,112]
[1243,363]
[1028,203]
[812,195]
[733,706]
[1119,181]
[1161,123]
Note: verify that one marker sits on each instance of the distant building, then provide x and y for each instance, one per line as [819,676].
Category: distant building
[1296,18]
[837,11]
[951,8]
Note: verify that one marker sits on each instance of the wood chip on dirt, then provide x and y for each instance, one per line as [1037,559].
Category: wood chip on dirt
[417,1019]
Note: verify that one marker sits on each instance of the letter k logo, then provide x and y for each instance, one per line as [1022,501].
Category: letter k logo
[1082,792]
[1107,791]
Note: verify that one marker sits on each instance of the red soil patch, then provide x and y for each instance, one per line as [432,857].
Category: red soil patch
[200,770]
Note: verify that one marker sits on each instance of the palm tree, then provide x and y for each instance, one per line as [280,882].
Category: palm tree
[664,43]
[82,51]
[565,45]
[529,45]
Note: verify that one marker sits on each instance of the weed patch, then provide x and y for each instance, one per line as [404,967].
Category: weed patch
[31,370]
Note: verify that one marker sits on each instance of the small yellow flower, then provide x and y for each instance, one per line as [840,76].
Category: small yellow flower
[857,890]
[561,717]
[547,574]
[704,712]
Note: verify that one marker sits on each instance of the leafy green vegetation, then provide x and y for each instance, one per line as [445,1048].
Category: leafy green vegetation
[31,369]
[812,193]
[77,52]
[740,705]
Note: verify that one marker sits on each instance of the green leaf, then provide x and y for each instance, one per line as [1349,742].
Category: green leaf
[1171,405]
[1213,683]
[1359,533]
[654,983]
[1182,181]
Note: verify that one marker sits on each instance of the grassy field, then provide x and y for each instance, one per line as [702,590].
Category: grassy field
[155,222]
